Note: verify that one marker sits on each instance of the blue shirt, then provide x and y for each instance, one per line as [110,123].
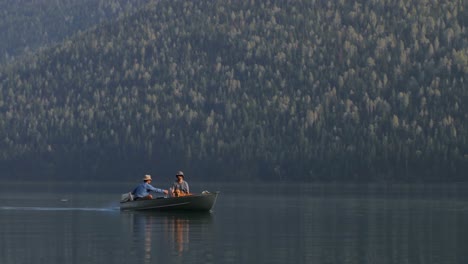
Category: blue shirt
[143,189]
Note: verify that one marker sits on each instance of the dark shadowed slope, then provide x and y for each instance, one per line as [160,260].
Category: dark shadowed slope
[27,25]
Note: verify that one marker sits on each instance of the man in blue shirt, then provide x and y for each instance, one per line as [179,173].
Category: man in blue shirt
[142,191]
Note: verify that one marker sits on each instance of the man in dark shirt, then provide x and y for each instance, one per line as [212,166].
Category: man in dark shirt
[180,186]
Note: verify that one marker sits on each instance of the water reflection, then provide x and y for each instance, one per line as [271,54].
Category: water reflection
[153,231]
[181,233]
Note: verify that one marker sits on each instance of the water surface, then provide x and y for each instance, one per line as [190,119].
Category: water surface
[254,223]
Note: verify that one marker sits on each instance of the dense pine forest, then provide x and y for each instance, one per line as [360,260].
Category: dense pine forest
[355,91]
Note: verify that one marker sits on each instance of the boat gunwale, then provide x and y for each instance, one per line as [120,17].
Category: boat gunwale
[173,198]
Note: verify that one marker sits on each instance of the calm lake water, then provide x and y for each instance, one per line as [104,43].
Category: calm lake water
[398,224]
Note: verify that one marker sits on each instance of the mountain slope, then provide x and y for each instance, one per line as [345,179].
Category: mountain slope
[355,91]
[26,26]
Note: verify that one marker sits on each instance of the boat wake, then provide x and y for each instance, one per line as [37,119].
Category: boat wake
[110,209]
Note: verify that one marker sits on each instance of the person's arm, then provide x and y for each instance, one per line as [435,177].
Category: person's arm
[186,187]
[151,188]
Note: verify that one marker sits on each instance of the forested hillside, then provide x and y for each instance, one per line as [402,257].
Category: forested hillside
[316,90]
[26,25]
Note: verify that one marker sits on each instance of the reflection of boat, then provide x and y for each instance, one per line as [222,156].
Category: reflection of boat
[195,217]
[195,202]
[178,228]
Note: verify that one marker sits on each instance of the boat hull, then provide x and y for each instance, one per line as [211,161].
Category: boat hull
[198,202]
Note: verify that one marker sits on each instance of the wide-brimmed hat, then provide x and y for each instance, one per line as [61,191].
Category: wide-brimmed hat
[180,173]
[147,178]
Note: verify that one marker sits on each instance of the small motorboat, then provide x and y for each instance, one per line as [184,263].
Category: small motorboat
[194,202]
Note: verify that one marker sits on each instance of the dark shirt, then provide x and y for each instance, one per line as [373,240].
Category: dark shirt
[181,186]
